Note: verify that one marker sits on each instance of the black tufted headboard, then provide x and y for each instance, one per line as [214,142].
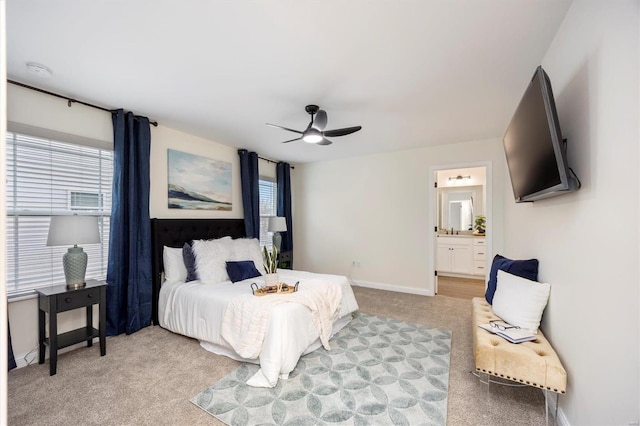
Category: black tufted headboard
[176,232]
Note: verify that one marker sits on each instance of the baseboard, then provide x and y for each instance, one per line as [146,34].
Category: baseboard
[391,287]
[31,357]
[21,359]
[562,419]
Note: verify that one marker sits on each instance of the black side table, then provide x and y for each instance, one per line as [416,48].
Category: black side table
[60,299]
[285,260]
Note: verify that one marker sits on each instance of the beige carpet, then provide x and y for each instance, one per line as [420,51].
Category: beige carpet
[148,378]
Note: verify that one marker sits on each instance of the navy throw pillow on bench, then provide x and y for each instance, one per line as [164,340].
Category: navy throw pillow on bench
[523,268]
[242,270]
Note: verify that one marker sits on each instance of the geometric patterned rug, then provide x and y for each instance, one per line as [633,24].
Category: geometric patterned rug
[379,372]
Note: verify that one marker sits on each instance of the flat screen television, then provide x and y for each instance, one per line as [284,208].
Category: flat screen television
[534,147]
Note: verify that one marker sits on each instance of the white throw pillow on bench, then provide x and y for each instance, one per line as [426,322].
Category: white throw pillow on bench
[520,301]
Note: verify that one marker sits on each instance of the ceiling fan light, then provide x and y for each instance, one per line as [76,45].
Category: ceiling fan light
[312,136]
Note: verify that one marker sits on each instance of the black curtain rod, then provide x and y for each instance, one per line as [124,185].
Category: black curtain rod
[69,100]
[272,161]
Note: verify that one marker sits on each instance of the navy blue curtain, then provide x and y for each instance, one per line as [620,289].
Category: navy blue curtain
[283,180]
[129,288]
[12,358]
[250,192]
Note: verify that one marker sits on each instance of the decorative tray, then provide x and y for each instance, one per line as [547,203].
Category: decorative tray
[283,288]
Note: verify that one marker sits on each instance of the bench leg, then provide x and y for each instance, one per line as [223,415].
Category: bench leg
[485,378]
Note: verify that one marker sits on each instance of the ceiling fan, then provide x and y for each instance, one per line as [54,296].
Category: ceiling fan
[315,133]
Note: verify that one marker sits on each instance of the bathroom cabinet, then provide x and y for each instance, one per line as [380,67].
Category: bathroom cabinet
[461,255]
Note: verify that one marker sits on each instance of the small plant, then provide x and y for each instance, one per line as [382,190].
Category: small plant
[480,224]
[270,260]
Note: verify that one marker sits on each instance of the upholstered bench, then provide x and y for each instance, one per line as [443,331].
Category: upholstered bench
[532,363]
[517,297]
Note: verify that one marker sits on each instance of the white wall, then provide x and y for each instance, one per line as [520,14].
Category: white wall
[32,108]
[375,210]
[587,242]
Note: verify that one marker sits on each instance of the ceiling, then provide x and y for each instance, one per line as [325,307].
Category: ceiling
[411,73]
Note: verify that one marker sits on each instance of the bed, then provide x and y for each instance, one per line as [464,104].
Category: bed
[197,309]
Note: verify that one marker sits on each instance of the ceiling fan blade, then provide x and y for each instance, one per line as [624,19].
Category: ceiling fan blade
[342,132]
[284,128]
[324,141]
[320,120]
[292,140]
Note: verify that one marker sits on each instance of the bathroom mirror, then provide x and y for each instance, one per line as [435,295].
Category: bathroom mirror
[459,206]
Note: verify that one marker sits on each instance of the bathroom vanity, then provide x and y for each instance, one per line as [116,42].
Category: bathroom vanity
[461,256]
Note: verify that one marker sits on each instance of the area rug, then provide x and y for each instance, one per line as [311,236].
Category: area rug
[379,371]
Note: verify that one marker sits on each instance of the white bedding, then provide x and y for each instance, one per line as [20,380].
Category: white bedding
[197,310]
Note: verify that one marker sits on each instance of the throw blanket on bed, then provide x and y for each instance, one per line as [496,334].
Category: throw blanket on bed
[246,317]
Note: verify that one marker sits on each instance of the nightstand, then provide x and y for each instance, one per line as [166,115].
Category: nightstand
[285,260]
[56,299]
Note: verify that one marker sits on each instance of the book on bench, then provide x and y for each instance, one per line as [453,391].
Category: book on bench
[513,335]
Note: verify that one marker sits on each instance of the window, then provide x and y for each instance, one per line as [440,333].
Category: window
[48,177]
[268,208]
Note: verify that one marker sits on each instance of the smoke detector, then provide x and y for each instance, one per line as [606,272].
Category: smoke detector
[38,70]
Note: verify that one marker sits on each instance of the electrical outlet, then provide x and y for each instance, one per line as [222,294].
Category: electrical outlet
[355,263]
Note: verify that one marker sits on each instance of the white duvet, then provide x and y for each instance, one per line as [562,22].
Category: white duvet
[197,310]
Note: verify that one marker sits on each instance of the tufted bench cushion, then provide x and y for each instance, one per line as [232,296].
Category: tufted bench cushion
[532,363]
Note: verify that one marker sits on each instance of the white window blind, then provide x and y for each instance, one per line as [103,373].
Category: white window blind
[268,208]
[45,178]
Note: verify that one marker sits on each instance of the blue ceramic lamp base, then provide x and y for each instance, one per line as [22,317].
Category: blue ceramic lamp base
[75,266]
[277,240]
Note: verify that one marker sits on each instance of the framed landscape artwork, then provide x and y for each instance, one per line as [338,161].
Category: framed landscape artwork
[198,183]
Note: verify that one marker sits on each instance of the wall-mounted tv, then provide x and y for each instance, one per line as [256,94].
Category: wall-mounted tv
[534,147]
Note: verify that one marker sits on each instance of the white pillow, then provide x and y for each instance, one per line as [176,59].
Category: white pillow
[174,269]
[248,249]
[211,257]
[520,301]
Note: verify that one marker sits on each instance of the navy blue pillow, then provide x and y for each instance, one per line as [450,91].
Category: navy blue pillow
[189,262]
[523,268]
[242,270]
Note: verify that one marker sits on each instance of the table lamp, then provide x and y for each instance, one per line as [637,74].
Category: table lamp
[74,230]
[277,225]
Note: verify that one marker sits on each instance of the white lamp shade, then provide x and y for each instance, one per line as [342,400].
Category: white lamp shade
[71,230]
[277,224]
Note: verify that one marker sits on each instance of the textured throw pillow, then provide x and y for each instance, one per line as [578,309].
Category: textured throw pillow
[522,268]
[519,301]
[189,262]
[242,270]
[248,249]
[174,269]
[211,257]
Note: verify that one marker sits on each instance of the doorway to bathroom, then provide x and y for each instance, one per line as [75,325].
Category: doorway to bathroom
[462,235]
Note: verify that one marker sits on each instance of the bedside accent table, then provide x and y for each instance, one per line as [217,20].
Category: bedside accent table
[285,260]
[61,299]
